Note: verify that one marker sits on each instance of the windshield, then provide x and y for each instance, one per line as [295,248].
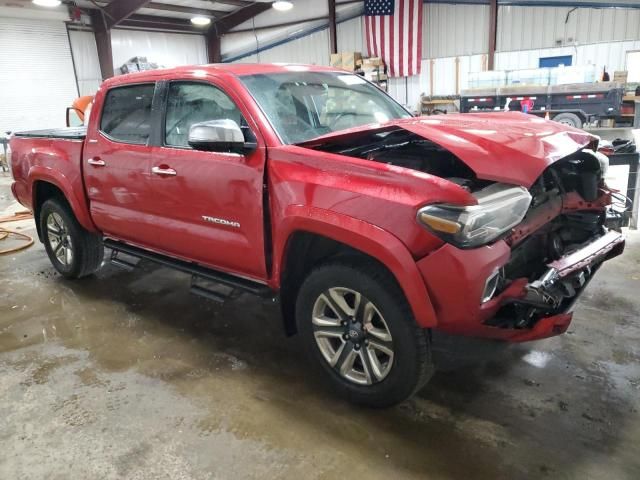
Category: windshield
[305,105]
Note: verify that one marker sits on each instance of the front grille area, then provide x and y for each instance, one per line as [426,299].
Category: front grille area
[568,211]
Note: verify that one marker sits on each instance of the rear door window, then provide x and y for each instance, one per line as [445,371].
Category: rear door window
[126,114]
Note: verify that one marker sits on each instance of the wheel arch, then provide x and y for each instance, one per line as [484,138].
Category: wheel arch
[304,241]
[44,187]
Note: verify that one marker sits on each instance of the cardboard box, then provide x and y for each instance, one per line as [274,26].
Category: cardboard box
[375,76]
[372,62]
[350,59]
[365,67]
[336,60]
[620,76]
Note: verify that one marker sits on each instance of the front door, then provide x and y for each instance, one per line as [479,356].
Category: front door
[207,205]
[117,162]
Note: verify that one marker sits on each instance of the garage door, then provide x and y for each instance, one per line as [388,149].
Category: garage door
[37,80]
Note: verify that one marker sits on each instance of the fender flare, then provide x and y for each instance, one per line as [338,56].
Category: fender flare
[365,237]
[79,206]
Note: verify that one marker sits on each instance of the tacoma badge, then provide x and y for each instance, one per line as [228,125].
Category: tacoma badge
[220,221]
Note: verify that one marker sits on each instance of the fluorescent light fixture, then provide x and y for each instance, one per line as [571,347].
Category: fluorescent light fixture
[200,21]
[47,3]
[282,5]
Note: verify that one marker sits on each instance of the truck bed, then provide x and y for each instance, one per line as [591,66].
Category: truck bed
[54,155]
[68,133]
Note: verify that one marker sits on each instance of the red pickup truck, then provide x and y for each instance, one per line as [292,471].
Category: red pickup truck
[310,185]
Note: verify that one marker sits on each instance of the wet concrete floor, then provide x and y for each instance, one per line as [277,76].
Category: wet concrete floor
[125,375]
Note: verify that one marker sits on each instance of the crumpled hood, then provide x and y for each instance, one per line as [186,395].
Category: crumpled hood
[508,147]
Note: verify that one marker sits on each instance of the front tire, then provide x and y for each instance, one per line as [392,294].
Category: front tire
[73,251]
[356,324]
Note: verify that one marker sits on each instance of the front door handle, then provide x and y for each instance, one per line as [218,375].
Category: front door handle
[96,162]
[164,171]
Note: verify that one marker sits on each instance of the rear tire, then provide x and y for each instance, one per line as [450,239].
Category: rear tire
[73,251]
[570,119]
[357,326]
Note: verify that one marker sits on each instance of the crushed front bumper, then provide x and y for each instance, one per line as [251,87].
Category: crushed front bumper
[567,276]
[456,279]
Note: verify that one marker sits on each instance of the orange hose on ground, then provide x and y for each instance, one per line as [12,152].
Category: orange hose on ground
[23,215]
[5,233]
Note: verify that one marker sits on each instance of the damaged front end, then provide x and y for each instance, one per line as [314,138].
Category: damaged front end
[539,223]
[573,226]
[522,286]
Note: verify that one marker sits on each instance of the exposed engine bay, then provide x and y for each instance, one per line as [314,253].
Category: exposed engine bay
[569,214]
[406,149]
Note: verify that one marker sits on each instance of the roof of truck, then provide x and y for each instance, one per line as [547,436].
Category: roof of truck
[235,69]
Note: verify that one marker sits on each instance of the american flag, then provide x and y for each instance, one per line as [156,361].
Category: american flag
[394,32]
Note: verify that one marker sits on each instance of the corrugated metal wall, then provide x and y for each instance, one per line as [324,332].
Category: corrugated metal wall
[462,29]
[351,36]
[524,28]
[454,30]
[459,29]
[611,54]
[313,49]
[525,34]
[407,90]
[165,49]
[243,39]
[236,44]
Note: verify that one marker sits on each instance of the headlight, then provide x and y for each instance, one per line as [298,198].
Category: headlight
[500,207]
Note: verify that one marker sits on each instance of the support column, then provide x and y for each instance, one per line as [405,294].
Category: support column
[493,29]
[333,33]
[213,47]
[103,43]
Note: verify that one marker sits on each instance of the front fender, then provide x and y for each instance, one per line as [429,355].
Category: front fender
[73,192]
[362,236]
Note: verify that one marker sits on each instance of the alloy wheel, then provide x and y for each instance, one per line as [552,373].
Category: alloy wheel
[59,239]
[352,336]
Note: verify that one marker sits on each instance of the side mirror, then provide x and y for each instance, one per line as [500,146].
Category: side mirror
[218,136]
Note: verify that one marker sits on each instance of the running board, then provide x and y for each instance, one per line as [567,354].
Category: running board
[194,269]
[210,294]
[121,262]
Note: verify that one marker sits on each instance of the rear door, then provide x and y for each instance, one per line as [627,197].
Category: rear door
[117,159]
[207,206]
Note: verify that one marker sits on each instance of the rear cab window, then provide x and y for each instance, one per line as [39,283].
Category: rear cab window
[126,114]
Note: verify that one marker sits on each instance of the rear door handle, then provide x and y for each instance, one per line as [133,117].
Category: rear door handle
[96,162]
[164,171]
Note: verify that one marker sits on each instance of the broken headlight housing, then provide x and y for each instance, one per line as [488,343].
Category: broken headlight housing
[500,207]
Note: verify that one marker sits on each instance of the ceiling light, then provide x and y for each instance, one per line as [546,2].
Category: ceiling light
[201,21]
[47,3]
[282,5]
